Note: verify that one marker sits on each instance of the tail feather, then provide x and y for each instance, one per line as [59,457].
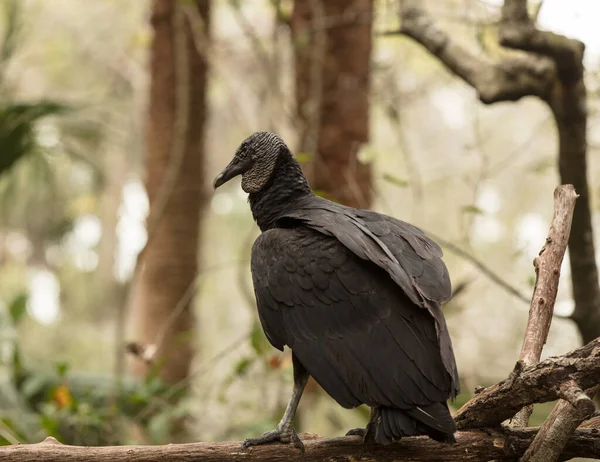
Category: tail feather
[433,420]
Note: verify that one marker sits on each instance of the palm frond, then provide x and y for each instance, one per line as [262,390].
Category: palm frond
[17,128]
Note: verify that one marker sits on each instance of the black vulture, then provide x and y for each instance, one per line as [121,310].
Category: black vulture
[356,295]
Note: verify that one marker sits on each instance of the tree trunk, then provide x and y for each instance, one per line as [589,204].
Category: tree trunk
[552,70]
[332,43]
[332,46]
[568,104]
[175,185]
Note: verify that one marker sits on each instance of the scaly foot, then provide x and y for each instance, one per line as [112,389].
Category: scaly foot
[283,434]
[357,432]
[367,435]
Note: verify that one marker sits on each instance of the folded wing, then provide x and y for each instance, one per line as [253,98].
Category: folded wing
[354,328]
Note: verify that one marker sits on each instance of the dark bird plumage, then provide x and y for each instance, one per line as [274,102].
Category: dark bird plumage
[356,295]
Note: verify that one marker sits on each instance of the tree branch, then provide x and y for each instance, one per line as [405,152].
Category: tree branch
[567,100]
[547,266]
[471,446]
[508,80]
[540,383]
[518,31]
[547,269]
[562,422]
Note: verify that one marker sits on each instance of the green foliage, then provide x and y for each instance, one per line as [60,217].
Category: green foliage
[10,39]
[258,340]
[77,409]
[303,157]
[17,128]
[242,365]
[393,179]
[17,308]
[472,209]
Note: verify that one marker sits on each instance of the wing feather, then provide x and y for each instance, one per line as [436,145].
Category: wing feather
[351,326]
[411,259]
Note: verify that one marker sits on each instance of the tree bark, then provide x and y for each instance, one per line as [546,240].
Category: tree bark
[175,186]
[541,383]
[560,425]
[547,271]
[332,43]
[471,446]
[568,103]
[553,71]
[332,47]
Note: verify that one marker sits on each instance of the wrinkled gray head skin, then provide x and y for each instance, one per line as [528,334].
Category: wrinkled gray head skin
[255,160]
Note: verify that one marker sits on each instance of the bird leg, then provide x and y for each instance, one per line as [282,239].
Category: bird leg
[367,433]
[285,432]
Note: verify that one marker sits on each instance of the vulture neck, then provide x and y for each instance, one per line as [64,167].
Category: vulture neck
[287,185]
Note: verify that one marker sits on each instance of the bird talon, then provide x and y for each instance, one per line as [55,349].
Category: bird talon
[278,434]
[357,432]
[298,442]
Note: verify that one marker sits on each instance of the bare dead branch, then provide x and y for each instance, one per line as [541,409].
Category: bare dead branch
[547,269]
[539,383]
[562,422]
[508,80]
[471,446]
[567,102]
[578,399]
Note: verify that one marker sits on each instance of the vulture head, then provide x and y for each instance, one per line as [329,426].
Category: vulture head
[255,160]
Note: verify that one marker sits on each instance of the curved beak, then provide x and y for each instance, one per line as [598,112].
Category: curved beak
[236,167]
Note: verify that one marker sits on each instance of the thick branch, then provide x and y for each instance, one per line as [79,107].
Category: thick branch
[560,424]
[534,384]
[508,80]
[471,446]
[547,268]
[517,31]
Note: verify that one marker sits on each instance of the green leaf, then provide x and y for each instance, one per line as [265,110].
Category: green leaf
[18,308]
[242,365]
[395,180]
[257,340]
[50,424]
[62,369]
[17,128]
[472,209]
[304,157]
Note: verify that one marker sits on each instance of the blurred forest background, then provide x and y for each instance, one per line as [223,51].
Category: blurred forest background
[126,306]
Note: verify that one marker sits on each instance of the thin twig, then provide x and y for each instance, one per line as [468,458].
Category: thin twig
[480,266]
[182,302]
[558,428]
[202,370]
